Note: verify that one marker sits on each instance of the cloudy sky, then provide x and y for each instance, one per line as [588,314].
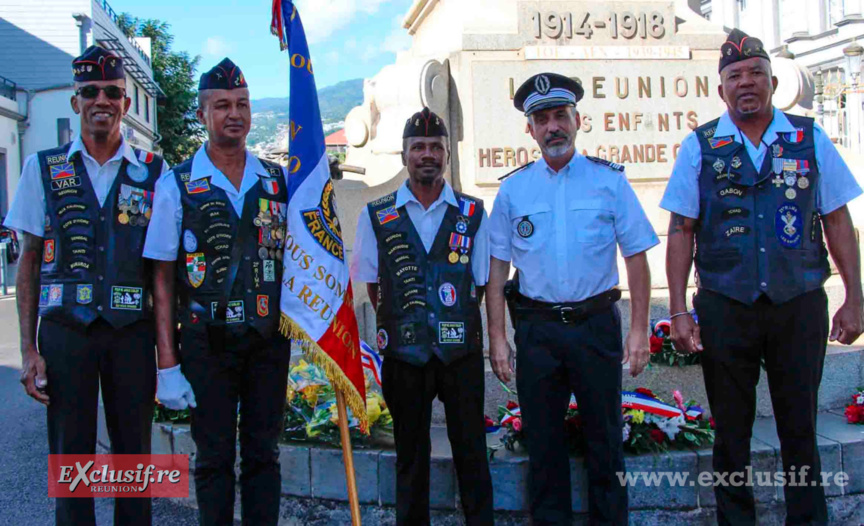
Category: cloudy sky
[347,38]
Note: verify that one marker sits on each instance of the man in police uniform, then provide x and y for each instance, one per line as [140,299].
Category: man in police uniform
[754,189]
[219,226]
[83,210]
[559,221]
[423,252]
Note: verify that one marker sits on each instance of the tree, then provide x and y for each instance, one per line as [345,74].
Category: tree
[180,130]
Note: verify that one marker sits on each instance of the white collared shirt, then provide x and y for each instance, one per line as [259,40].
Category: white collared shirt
[837,185]
[427,221]
[562,230]
[28,209]
[163,236]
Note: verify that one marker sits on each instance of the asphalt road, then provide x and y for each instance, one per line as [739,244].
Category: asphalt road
[24,448]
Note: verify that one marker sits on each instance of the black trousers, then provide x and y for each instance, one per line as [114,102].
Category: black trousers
[77,361]
[792,338]
[554,360]
[409,391]
[252,371]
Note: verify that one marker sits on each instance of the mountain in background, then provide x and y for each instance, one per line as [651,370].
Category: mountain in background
[270,115]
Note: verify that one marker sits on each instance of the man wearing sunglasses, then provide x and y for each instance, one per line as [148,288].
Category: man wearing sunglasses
[83,210]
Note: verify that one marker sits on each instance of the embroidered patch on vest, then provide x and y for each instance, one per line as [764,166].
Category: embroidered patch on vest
[383,339]
[126,298]
[793,137]
[62,171]
[789,225]
[198,187]
[48,251]
[737,231]
[451,332]
[196,269]
[263,305]
[447,294]
[719,142]
[84,294]
[387,214]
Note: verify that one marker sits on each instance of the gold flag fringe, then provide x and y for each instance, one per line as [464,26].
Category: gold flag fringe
[291,330]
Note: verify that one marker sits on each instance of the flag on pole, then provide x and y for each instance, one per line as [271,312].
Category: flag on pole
[371,360]
[317,302]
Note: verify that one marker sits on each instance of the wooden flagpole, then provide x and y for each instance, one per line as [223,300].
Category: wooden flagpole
[348,457]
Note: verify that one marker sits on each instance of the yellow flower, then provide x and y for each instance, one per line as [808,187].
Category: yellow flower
[373,410]
[310,394]
[334,414]
[290,394]
[637,416]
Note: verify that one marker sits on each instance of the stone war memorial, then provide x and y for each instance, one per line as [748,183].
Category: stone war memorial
[649,69]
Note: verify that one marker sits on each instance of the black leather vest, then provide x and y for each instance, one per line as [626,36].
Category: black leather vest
[219,250]
[92,263]
[427,303]
[759,231]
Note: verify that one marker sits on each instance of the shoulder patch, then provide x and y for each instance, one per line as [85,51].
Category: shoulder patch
[384,200]
[514,172]
[610,164]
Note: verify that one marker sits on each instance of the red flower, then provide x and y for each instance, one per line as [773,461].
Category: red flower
[647,392]
[657,436]
[656,344]
[517,424]
[854,414]
[711,422]
[489,421]
[511,405]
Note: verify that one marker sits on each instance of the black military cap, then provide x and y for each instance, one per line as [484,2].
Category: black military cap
[547,90]
[739,46]
[224,75]
[424,124]
[97,63]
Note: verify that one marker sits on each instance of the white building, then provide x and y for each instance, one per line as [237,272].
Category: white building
[38,40]
[823,36]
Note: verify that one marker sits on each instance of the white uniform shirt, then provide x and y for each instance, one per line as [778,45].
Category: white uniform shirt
[837,186]
[364,260]
[163,236]
[28,210]
[562,230]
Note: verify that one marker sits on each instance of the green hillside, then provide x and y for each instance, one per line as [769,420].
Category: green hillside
[270,115]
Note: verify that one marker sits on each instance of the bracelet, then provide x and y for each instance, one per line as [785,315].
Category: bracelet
[679,314]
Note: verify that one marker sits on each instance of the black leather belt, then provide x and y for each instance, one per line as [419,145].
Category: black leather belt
[533,310]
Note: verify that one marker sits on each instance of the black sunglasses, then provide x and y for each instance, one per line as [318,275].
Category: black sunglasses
[91,92]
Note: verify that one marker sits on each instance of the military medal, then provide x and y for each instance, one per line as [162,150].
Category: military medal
[791,193]
[263,253]
[803,183]
[736,162]
[778,181]
[719,165]
[464,259]
[453,258]
[123,218]
[461,226]
[790,178]
[777,149]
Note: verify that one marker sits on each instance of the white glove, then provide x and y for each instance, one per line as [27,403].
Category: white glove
[173,390]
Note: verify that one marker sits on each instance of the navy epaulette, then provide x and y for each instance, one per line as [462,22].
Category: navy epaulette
[517,170]
[610,164]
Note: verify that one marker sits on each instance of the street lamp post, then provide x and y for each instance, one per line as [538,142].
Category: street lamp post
[853,54]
